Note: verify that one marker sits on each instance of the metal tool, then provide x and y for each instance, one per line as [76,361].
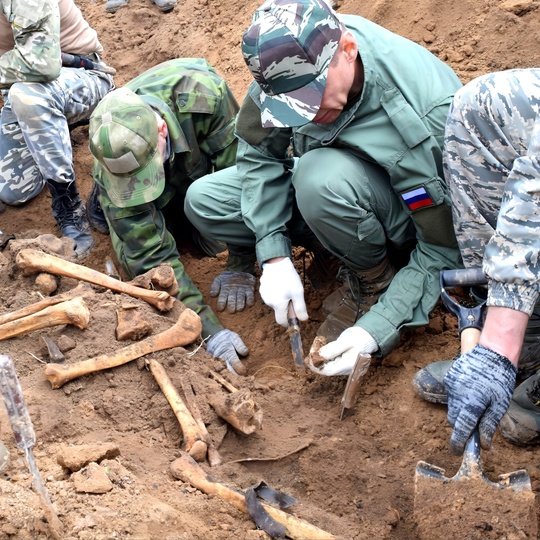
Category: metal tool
[110,269]
[428,476]
[353,383]
[77,61]
[293,329]
[25,437]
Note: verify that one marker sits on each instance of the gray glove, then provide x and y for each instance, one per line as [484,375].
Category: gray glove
[235,290]
[228,345]
[479,385]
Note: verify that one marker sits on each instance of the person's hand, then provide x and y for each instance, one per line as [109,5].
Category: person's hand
[281,284]
[479,385]
[235,290]
[345,350]
[228,345]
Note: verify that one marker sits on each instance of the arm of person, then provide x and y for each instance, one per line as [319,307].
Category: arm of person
[35,56]
[265,167]
[415,289]
[141,242]
[217,137]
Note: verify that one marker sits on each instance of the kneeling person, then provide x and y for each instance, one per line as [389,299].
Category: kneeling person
[151,139]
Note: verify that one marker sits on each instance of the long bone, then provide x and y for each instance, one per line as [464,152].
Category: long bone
[31,261]
[185,331]
[72,311]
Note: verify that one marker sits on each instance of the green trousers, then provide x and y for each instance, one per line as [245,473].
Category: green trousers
[348,203]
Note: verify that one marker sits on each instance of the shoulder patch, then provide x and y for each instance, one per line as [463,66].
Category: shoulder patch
[417,198]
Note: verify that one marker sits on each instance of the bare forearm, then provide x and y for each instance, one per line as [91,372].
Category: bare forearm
[504,330]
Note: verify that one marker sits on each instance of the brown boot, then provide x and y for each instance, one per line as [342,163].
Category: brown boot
[354,298]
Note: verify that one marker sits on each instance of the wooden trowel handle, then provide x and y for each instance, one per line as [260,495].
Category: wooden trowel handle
[469,339]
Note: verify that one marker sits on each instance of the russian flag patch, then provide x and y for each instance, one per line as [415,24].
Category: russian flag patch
[417,198]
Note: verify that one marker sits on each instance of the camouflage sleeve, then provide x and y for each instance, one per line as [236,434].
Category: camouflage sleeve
[218,139]
[36,54]
[492,160]
[267,192]
[141,242]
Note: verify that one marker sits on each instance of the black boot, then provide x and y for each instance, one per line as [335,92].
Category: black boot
[70,215]
[95,214]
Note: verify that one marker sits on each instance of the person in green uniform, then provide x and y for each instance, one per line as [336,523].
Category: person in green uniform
[342,130]
[151,139]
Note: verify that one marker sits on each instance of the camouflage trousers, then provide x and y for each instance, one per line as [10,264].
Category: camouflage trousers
[492,144]
[35,140]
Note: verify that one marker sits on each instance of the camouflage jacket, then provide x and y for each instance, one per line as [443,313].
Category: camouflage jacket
[200,112]
[397,122]
[32,35]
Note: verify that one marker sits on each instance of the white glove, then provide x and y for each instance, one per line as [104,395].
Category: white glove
[279,285]
[345,350]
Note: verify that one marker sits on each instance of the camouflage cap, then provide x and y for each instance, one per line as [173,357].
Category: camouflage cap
[124,139]
[288,49]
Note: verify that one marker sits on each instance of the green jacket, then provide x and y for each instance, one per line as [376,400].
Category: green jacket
[200,112]
[398,122]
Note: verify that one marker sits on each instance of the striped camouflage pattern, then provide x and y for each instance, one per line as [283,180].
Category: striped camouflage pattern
[37,46]
[288,49]
[200,111]
[492,144]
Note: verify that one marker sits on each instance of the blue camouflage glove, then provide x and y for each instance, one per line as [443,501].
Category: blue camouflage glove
[479,385]
[228,345]
[235,290]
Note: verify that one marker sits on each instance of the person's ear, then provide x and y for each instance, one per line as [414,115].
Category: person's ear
[349,46]
[162,125]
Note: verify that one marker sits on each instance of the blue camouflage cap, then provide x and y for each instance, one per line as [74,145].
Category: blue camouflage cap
[124,139]
[288,49]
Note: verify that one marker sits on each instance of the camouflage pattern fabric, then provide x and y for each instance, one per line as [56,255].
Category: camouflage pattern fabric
[200,112]
[491,160]
[288,49]
[36,30]
[35,142]
[40,100]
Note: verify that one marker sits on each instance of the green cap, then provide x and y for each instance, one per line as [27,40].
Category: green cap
[124,139]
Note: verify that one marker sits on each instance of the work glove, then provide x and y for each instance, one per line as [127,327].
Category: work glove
[228,345]
[281,284]
[235,290]
[345,350]
[479,385]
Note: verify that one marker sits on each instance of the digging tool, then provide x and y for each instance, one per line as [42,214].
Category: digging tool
[293,329]
[353,383]
[441,503]
[25,437]
[185,331]
[32,261]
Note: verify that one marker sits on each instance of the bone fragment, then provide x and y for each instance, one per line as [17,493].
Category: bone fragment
[194,443]
[32,261]
[238,409]
[185,469]
[214,458]
[81,290]
[70,312]
[131,324]
[185,331]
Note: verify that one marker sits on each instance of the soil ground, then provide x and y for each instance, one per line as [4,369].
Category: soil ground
[353,478]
